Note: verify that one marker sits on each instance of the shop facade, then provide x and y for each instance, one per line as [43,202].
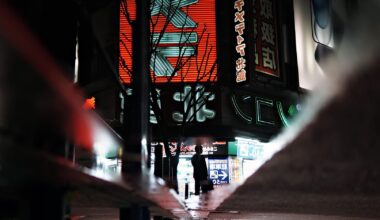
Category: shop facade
[253,93]
[227,161]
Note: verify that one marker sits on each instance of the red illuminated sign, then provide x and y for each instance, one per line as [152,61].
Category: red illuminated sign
[266,54]
[190,35]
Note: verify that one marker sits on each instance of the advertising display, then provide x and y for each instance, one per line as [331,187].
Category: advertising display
[186,103]
[216,148]
[243,42]
[265,35]
[218,170]
[308,68]
[264,111]
[240,27]
[235,164]
[250,150]
[219,148]
[184,35]
[319,28]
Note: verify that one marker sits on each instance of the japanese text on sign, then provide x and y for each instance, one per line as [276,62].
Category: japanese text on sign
[218,171]
[266,59]
[241,74]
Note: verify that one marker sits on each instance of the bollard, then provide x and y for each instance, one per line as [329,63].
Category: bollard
[186,190]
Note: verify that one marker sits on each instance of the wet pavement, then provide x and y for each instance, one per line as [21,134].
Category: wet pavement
[199,207]
[276,216]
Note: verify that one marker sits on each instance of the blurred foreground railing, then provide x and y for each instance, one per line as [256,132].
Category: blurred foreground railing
[43,125]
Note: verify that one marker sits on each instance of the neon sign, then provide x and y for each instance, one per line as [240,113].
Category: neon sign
[199,112]
[241,73]
[189,37]
[195,107]
[255,115]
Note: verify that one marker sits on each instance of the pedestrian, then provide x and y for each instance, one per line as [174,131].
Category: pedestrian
[200,169]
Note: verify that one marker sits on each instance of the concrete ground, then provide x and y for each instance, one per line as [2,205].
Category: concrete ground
[95,213]
[276,216]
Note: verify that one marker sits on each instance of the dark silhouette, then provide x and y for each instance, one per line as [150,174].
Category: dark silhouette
[158,160]
[200,169]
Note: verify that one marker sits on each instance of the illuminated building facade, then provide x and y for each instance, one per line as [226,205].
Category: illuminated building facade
[253,86]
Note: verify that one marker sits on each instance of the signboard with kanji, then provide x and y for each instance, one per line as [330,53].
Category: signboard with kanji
[218,170]
[184,38]
[265,34]
[240,28]
[242,50]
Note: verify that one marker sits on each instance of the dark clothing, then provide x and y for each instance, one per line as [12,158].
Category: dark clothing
[200,170]
[197,187]
[158,160]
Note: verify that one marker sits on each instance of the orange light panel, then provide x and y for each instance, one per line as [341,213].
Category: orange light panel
[202,12]
[89,104]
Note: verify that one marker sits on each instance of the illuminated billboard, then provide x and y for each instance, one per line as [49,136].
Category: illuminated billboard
[240,49]
[319,31]
[186,49]
[310,72]
[265,34]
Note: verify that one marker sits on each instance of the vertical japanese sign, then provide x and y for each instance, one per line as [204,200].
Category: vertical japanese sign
[241,61]
[218,170]
[265,35]
[189,38]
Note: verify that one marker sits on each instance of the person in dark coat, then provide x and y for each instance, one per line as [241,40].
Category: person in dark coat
[200,169]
